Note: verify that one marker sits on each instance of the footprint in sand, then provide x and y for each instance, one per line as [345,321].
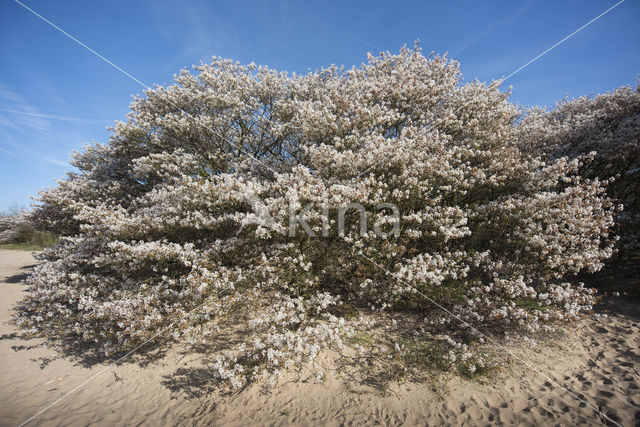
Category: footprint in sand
[605,393]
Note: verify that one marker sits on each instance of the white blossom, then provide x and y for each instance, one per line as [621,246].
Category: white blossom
[182,218]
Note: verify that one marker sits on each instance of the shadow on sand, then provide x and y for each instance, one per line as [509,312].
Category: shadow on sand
[199,381]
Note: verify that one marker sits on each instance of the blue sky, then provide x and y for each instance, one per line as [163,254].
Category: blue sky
[56,96]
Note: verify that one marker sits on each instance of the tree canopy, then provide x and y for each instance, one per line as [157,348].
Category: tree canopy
[295,207]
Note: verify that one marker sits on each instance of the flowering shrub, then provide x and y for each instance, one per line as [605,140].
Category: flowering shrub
[608,125]
[9,225]
[215,207]
[16,231]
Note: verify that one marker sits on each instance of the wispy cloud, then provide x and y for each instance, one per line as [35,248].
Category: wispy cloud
[326,25]
[200,31]
[55,117]
[17,112]
[491,27]
[57,162]
[28,133]
[8,96]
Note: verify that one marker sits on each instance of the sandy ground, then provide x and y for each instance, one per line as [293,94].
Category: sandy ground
[598,361]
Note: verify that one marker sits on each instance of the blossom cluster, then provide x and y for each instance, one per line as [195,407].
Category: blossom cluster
[607,125]
[162,231]
[9,226]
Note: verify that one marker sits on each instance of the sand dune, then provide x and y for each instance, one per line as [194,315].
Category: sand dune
[598,362]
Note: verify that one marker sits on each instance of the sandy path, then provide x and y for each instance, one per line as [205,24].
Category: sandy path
[599,362]
[31,377]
